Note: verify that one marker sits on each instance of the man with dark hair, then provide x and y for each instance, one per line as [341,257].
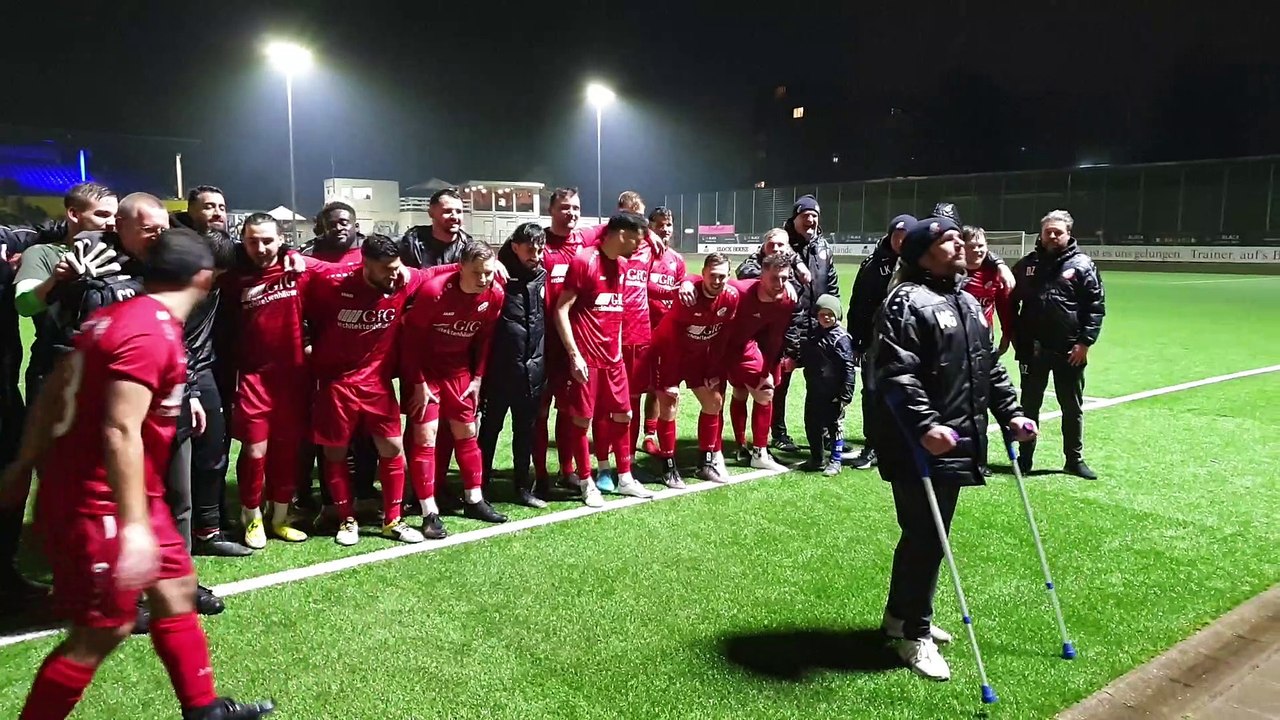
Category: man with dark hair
[936,379]
[666,273]
[444,354]
[441,242]
[689,346]
[354,320]
[103,439]
[870,288]
[517,373]
[206,210]
[588,320]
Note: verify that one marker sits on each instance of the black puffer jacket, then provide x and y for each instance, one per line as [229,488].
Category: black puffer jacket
[1058,301]
[816,255]
[71,303]
[829,366]
[420,249]
[870,287]
[516,364]
[934,366]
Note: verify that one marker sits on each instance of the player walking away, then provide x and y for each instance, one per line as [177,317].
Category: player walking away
[588,320]
[104,439]
[829,374]
[756,337]
[666,273]
[808,243]
[564,240]
[870,288]
[689,347]
[273,383]
[445,350]
[354,321]
[441,242]
[517,374]
[1059,304]
[936,378]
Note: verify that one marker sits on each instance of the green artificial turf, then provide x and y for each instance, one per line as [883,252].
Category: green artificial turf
[760,599]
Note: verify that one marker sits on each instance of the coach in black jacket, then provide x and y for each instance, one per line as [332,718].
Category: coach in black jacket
[936,377]
[1059,304]
[517,373]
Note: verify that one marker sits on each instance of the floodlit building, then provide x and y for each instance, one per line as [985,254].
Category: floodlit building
[377,203]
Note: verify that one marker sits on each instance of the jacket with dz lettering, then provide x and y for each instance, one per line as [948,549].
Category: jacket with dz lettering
[420,249]
[71,303]
[816,255]
[934,366]
[1058,301]
[870,287]
[516,365]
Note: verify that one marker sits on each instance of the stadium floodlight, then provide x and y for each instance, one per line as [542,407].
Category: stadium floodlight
[289,59]
[599,96]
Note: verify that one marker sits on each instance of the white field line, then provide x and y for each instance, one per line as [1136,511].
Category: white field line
[1223,280]
[346,563]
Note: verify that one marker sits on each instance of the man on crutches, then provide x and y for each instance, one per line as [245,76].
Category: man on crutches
[936,376]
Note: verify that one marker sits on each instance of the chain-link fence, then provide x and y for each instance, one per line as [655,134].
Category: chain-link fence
[1220,202]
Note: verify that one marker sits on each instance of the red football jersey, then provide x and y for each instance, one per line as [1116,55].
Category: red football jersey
[136,340]
[595,319]
[447,331]
[635,297]
[666,272]
[351,258]
[764,322]
[696,333]
[354,326]
[267,309]
[992,294]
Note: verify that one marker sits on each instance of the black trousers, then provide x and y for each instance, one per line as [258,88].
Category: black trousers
[524,412]
[779,419]
[918,556]
[12,417]
[823,423]
[197,481]
[1068,385]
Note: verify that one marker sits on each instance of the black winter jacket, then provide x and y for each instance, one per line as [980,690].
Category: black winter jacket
[516,364]
[829,366]
[1058,301]
[934,366]
[419,249]
[816,255]
[870,287]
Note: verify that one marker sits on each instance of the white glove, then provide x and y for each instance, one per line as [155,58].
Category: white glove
[92,262]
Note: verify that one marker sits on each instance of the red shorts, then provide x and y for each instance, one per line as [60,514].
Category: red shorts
[83,553]
[451,405]
[747,370]
[605,392]
[270,405]
[339,410]
[635,358]
[692,368]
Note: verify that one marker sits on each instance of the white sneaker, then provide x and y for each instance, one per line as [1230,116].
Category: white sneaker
[923,658]
[348,533]
[634,489]
[591,494]
[400,530]
[892,627]
[762,460]
[724,469]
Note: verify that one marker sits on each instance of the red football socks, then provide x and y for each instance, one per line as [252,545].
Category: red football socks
[761,417]
[667,437]
[602,438]
[184,650]
[391,475]
[621,444]
[707,428]
[636,410]
[651,426]
[422,470]
[738,415]
[251,476]
[338,479]
[581,449]
[565,447]
[470,462]
[58,687]
[282,466]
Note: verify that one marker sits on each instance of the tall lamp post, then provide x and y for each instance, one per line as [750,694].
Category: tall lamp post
[599,96]
[290,59]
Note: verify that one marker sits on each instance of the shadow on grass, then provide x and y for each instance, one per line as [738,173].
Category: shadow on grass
[797,655]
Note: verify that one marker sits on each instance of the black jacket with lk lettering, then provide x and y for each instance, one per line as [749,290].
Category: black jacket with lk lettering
[870,287]
[1058,301]
[934,366]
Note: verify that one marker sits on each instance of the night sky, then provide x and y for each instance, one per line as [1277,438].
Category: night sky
[495,90]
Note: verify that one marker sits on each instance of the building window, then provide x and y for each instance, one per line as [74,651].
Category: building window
[797,113]
[780,92]
[835,158]
[345,193]
[361,193]
[524,201]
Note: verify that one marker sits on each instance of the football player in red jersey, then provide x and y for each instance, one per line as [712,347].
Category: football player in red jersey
[103,433]
[564,240]
[355,320]
[689,347]
[988,284]
[666,272]
[757,335]
[588,320]
[444,351]
[273,383]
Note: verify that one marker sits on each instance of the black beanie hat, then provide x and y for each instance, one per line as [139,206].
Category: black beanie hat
[902,222]
[921,236]
[947,210]
[177,256]
[805,203]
